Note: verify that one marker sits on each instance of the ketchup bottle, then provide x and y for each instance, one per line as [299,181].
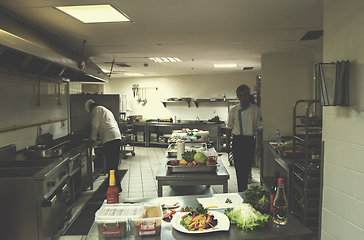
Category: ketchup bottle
[112,194]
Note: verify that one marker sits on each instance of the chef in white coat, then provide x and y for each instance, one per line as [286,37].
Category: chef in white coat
[244,124]
[105,127]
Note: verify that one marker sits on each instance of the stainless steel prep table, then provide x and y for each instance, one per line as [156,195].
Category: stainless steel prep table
[294,230]
[166,178]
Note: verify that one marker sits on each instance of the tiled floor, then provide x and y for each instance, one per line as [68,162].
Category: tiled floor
[140,179]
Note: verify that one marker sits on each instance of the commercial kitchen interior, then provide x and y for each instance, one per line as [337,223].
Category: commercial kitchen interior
[287,76]
[140,180]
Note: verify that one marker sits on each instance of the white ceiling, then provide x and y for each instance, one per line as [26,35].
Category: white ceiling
[199,32]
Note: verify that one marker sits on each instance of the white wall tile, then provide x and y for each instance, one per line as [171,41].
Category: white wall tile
[350,207]
[339,228]
[326,236]
[20,109]
[344,180]
[348,155]
[343,127]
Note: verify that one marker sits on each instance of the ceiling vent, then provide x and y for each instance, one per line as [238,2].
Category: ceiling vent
[36,65]
[312,35]
[122,64]
[12,58]
[248,68]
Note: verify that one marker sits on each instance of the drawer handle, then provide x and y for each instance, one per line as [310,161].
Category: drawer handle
[64,188]
[110,232]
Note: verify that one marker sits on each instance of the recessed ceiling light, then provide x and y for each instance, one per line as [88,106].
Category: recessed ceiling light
[225,65]
[95,13]
[165,59]
[134,74]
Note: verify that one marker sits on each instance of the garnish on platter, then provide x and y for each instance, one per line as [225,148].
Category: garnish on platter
[169,211]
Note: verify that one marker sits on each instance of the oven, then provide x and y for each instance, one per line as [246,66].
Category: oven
[78,172]
[38,194]
[52,211]
[34,199]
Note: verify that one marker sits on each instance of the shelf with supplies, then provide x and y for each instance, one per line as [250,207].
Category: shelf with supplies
[197,101]
[177,101]
[306,188]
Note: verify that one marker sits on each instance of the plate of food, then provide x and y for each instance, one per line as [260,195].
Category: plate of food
[202,223]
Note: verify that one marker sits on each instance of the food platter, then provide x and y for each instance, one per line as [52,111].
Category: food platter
[223,223]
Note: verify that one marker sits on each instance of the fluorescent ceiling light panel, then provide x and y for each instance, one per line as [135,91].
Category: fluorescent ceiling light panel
[225,65]
[3,31]
[94,13]
[165,59]
[105,70]
[134,74]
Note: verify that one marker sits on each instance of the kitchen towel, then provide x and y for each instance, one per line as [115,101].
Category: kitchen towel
[180,149]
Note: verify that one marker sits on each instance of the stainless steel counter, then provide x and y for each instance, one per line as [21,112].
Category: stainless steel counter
[294,230]
[165,127]
[272,161]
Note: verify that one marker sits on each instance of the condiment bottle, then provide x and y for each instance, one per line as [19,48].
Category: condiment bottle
[273,190]
[278,138]
[112,194]
[280,205]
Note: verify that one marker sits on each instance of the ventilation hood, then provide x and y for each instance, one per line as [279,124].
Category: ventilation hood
[46,58]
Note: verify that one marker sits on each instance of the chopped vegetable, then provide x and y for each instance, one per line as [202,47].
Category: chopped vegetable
[228,200]
[254,194]
[246,217]
[258,197]
[200,209]
[263,204]
[188,155]
[186,209]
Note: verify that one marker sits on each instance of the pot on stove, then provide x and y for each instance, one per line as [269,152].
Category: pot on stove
[42,151]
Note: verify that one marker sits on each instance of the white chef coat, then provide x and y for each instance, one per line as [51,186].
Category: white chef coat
[104,123]
[245,120]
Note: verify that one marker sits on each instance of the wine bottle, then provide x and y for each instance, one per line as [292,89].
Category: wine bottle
[112,194]
[280,205]
[273,190]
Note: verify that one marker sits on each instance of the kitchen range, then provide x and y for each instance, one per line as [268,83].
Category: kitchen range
[40,186]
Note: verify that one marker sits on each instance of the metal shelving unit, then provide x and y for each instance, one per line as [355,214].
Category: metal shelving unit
[127,139]
[306,187]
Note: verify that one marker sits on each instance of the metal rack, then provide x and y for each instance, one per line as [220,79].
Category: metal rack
[127,139]
[306,187]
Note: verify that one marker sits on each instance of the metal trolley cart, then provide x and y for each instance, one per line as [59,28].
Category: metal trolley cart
[127,139]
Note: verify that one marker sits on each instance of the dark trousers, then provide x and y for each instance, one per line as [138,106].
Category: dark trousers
[111,151]
[243,153]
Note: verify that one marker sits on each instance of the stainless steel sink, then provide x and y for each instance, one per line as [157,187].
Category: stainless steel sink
[193,122]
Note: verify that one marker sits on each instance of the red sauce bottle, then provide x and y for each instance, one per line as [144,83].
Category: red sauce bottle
[112,194]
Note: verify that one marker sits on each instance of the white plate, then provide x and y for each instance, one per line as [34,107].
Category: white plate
[223,223]
[218,200]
